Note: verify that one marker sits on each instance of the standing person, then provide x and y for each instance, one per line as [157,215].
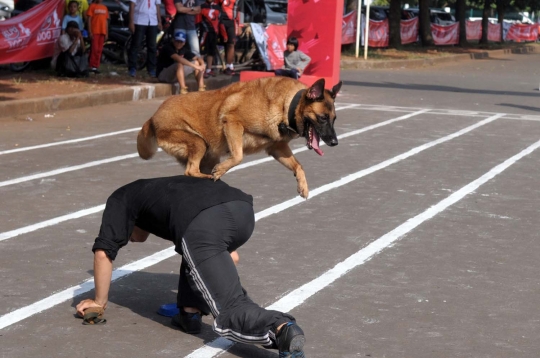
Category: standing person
[210,12]
[175,62]
[295,61]
[206,221]
[82,8]
[185,22]
[170,9]
[230,18]
[72,15]
[144,20]
[98,31]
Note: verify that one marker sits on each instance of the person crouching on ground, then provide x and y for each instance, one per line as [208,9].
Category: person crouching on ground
[176,62]
[98,31]
[295,61]
[206,221]
[68,58]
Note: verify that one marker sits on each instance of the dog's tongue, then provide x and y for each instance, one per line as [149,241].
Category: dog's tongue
[315,142]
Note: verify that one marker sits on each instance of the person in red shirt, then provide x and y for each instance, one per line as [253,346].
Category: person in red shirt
[98,30]
[230,18]
[210,13]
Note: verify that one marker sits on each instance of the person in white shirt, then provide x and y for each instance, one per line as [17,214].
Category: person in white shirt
[144,20]
[70,42]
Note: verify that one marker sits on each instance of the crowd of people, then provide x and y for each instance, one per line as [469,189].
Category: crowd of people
[192,23]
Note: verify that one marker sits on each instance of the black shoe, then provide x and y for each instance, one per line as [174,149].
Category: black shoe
[290,341]
[229,72]
[188,322]
[95,70]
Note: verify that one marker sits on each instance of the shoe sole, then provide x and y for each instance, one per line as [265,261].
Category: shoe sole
[297,344]
[176,324]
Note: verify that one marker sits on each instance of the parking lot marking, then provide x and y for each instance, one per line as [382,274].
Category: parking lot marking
[27,311]
[241,166]
[54,221]
[71,141]
[301,294]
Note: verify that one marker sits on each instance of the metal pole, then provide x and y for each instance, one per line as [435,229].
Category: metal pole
[358,29]
[366,36]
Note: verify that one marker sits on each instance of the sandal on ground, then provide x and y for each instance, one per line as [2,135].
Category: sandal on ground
[94,315]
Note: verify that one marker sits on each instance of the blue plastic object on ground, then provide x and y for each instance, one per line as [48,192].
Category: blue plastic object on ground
[168,310]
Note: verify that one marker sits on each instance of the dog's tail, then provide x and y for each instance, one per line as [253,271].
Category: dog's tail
[146,140]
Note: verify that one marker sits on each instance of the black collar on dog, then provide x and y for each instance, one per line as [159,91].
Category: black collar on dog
[292,109]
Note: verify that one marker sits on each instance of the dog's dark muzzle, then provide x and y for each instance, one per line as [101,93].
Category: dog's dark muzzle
[332,142]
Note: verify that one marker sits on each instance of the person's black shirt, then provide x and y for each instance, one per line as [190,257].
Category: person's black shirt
[165,59]
[162,206]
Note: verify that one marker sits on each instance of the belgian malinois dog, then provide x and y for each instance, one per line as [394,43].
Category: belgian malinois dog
[242,118]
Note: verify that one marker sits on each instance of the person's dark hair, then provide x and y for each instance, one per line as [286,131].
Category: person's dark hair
[293,41]
[73,1]
[72,24]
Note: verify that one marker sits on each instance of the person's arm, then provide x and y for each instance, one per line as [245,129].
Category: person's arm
[90,34]
[304,61]
[185,62]
[103,268]
[158,12]
[76,43]
[187,10]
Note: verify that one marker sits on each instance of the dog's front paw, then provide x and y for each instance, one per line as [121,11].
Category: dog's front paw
[303,190]
[217,172]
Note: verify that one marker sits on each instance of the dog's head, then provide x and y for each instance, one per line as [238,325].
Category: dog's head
[319,115]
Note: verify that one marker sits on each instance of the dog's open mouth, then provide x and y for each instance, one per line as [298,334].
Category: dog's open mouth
[313,141]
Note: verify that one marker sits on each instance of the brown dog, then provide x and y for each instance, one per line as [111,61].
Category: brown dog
[242,118]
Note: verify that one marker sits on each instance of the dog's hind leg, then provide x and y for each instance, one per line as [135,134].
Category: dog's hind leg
[188,149]
[234,132]
[283,154]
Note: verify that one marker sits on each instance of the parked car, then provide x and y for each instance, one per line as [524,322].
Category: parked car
[265,11]
[439,17]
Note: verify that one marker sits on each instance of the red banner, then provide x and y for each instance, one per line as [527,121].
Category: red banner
[31,35]
[473,30]
[445,35]
[276,44]
[378,33]
[348,28]
[409,30]
[494,32]
[522,32]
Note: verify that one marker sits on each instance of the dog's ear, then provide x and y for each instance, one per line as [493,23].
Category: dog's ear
[336,89]
[316,91]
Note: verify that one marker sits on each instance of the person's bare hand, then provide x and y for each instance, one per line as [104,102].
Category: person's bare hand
[84,304]
[132,28]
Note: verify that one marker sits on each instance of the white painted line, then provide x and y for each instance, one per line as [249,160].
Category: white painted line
[71,141]
[445,112]
[88,285]
[24,230]
[27,311]
[67,169]
[301,294]
[298,296]
[27,229]
[241,166]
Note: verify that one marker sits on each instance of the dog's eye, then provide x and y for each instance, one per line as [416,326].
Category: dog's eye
[324,118]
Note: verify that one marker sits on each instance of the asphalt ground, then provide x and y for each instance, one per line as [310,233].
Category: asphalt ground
[420,237]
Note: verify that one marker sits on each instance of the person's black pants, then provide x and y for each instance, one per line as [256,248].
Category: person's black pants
[210,282]
[141,31]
